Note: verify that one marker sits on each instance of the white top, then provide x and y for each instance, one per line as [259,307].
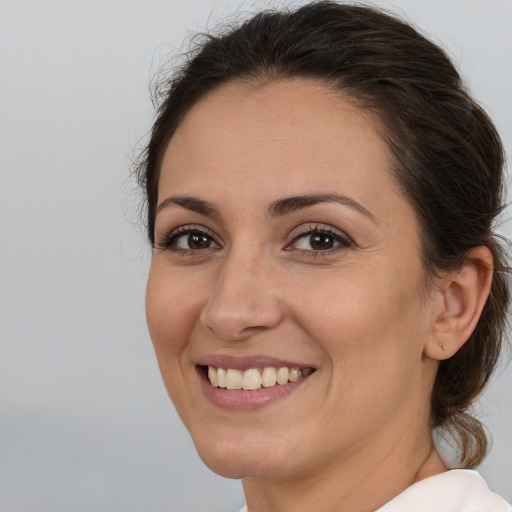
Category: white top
[457,490]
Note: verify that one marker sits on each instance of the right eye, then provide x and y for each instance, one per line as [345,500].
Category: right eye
[189,239]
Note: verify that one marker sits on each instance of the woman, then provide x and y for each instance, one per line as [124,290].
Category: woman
[326,288]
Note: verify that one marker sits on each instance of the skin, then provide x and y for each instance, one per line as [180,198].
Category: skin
[358,313]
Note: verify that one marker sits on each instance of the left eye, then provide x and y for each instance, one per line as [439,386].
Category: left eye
[316,242]
[319,240]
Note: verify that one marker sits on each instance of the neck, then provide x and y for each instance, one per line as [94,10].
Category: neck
[377,474]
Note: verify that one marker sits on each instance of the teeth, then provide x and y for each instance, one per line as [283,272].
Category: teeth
[282,375]
[295,374]
[221,377]
[212,376]
[251,379]
[268,377]
[254,378]
[234,379]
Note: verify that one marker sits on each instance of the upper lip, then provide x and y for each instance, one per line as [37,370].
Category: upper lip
[247,362]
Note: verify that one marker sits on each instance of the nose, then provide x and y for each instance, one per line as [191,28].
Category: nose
[244,301]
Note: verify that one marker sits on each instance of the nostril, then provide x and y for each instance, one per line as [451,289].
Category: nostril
[240,308]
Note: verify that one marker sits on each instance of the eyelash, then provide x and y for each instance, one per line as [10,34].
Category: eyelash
[169,241]
[344,241]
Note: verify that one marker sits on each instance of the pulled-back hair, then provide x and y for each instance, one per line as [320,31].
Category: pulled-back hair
[448,157]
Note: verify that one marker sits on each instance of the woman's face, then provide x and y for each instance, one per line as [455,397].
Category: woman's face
[282,241]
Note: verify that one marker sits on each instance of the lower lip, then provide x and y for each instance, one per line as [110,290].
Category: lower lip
[244,399]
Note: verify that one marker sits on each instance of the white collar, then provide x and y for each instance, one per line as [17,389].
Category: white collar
[457,490]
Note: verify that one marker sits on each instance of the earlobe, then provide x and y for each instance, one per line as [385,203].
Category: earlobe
[462,296]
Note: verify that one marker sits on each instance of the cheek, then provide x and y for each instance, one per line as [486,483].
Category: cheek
[170,317]
[367,321]
[371,333]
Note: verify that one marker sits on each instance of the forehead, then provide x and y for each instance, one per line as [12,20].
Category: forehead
[286,135]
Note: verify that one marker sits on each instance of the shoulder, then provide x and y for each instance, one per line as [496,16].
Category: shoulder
[458,490]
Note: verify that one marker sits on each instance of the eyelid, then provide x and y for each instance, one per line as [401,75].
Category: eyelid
[344,241]
[318,227]
[164,242]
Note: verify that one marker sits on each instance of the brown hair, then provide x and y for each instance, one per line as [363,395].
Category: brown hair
[448,155]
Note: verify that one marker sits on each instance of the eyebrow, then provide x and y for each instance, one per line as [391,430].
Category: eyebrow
[190,203]
[290,204]
[277,208]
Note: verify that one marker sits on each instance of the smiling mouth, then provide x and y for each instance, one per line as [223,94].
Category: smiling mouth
[253,379]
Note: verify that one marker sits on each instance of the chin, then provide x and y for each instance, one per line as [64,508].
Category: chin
[245,456]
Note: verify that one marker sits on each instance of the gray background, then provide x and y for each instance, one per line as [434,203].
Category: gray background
[85,422]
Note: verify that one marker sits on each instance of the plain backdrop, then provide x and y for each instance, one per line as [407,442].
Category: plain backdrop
[85,423]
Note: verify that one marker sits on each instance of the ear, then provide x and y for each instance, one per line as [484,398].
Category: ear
[459,303]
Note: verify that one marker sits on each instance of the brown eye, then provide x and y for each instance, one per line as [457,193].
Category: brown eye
[321,241]
[197,241]
[189,239]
